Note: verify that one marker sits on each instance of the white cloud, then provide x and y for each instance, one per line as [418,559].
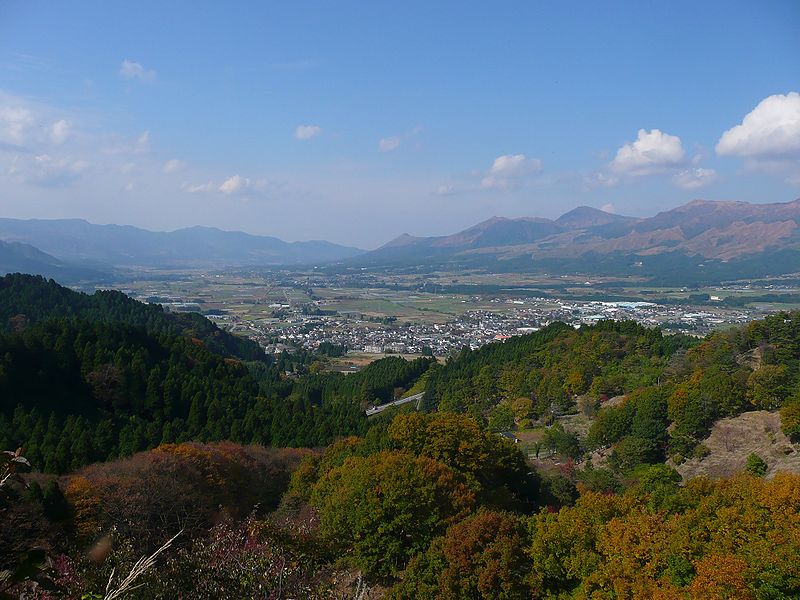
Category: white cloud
[393,142]
[234,184]
[306,132]
[15,121]
[768,138]
[445,190]
[43,146]
[609,208]
[118,145]
[692,179]
[202,188]
[44,170]
[60,131]
[173,166]
[388,144]
[142,144]
[238,185]
[770,130]
[134,70]
[29,125]
[653,152]
[600,179]
[509,169]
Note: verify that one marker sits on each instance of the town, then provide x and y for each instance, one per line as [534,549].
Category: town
[384,314]
[474,328]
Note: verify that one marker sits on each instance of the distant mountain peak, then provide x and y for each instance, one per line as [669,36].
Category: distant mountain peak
[404,239]
[583,217]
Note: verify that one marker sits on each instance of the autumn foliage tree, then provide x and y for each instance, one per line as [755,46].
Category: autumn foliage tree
[481,557]
[383,509]
[492,466]
[177,486]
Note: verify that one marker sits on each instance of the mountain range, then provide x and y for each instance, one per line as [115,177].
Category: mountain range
[711,238]
[699,241]
[78,242]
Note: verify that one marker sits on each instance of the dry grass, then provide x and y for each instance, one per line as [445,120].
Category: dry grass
[144,564]
[733,440]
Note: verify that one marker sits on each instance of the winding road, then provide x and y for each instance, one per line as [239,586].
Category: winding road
[377,409]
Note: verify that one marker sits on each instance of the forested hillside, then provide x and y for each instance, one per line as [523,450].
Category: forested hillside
[554,365]
[26,299]
[74,392]
[426,507]
[80,382]
[674,387]
[432,504]
[752,368]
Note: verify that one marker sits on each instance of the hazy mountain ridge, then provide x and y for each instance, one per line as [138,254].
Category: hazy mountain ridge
[76,240]
[16,257]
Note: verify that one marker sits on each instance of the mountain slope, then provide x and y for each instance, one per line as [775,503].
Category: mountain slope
[28,299]
[726,237]
[16,257]
[124,245]
[494,232]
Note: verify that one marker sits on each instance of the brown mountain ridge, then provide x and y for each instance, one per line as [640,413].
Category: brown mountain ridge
[703,230]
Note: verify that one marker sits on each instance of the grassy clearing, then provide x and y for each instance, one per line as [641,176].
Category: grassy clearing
[733,440]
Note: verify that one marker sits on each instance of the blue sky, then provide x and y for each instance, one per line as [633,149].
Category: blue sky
[358,121]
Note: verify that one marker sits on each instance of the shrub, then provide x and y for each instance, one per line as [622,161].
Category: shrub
[790,420]
[756,465]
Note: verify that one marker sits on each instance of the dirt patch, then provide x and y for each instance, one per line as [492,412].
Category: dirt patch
[528,439]
[733,440]
[752,359]
[615,401]
[530,436]
[578,424]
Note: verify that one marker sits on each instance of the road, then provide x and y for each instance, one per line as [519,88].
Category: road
[377,409]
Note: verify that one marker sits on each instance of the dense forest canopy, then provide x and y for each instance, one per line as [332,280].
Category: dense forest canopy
[90,378]
[429,504]
[26,299]
[554,365]
[75,392]
[411,510]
